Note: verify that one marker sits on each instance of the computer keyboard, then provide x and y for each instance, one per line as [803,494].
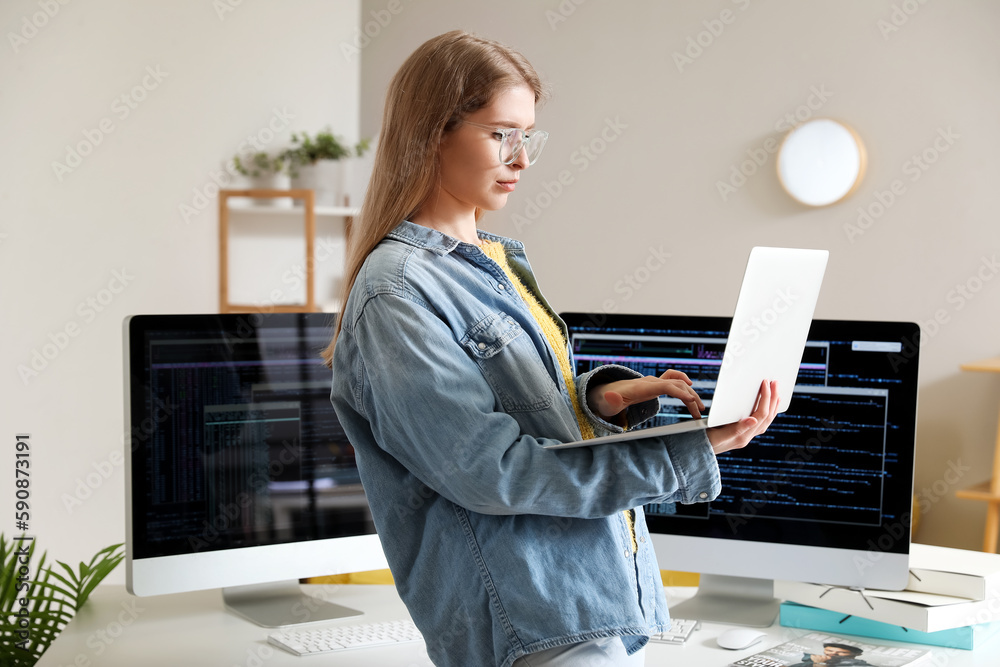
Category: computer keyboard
[345,637]
[680,630]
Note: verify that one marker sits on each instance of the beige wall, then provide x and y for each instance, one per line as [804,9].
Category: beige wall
[671,130]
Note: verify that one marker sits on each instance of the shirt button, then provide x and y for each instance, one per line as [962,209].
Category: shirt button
[700,495]
[482,346]
[642,539]
[501,286]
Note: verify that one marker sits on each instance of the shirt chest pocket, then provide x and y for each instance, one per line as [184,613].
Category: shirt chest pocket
[510,363]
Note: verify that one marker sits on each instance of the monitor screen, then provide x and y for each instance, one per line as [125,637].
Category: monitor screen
[239,471]
[824,495]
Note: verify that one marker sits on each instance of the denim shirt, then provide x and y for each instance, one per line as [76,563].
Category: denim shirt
[447,389]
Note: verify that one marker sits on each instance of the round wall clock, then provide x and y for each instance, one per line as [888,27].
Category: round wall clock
[821,162]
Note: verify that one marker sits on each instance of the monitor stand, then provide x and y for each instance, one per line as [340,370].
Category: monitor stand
[733,600]
[277,604]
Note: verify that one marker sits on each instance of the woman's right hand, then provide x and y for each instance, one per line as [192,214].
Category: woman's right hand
[739,434]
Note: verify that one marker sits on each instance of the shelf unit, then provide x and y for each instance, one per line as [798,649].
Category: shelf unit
[988,491]
[307,210]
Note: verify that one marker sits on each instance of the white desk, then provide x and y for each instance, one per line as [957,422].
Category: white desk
[193,630]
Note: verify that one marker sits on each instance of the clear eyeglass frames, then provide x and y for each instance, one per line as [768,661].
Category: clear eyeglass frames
[513,140]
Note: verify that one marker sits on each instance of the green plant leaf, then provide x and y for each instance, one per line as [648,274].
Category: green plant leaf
[325,145]
[260,163]
[362,146]
[52,598]
[94,572]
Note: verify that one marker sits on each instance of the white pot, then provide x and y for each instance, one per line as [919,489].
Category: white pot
[272,182]
[327,177]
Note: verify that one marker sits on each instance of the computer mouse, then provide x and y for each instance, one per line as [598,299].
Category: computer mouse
[735,639]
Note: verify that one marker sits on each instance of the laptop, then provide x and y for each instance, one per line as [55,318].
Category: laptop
[766,339]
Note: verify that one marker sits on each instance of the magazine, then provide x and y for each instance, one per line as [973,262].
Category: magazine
[832,651]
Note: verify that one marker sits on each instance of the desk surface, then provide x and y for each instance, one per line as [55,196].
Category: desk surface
[193,629]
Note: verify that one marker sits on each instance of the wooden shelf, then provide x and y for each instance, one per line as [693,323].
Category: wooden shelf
[307,211]
[270,308]
[988,491]
[981,491]
[986,365]
[330,211]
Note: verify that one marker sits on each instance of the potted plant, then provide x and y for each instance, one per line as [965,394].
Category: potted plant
[35,608]
[265,172]
[322,163]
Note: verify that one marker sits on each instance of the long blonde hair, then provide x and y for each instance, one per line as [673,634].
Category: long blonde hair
[445,79]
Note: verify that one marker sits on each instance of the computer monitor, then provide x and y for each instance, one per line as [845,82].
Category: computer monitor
[824,495]
[240,476]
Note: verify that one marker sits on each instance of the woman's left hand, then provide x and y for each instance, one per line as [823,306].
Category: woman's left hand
[739,434]
[607,400]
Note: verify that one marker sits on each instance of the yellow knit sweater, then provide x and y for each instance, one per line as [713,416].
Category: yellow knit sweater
[554,336]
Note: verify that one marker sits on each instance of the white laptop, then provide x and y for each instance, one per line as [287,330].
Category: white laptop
[766,339]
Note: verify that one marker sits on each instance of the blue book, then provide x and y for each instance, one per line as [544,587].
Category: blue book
[795,615]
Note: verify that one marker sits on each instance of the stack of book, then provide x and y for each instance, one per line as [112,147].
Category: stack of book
[952,599]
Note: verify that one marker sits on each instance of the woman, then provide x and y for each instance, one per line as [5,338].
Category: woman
[450,373]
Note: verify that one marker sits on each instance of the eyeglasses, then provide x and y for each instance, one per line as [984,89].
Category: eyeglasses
[513,140]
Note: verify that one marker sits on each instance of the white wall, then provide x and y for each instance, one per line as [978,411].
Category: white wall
[112,230]
[682,129]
